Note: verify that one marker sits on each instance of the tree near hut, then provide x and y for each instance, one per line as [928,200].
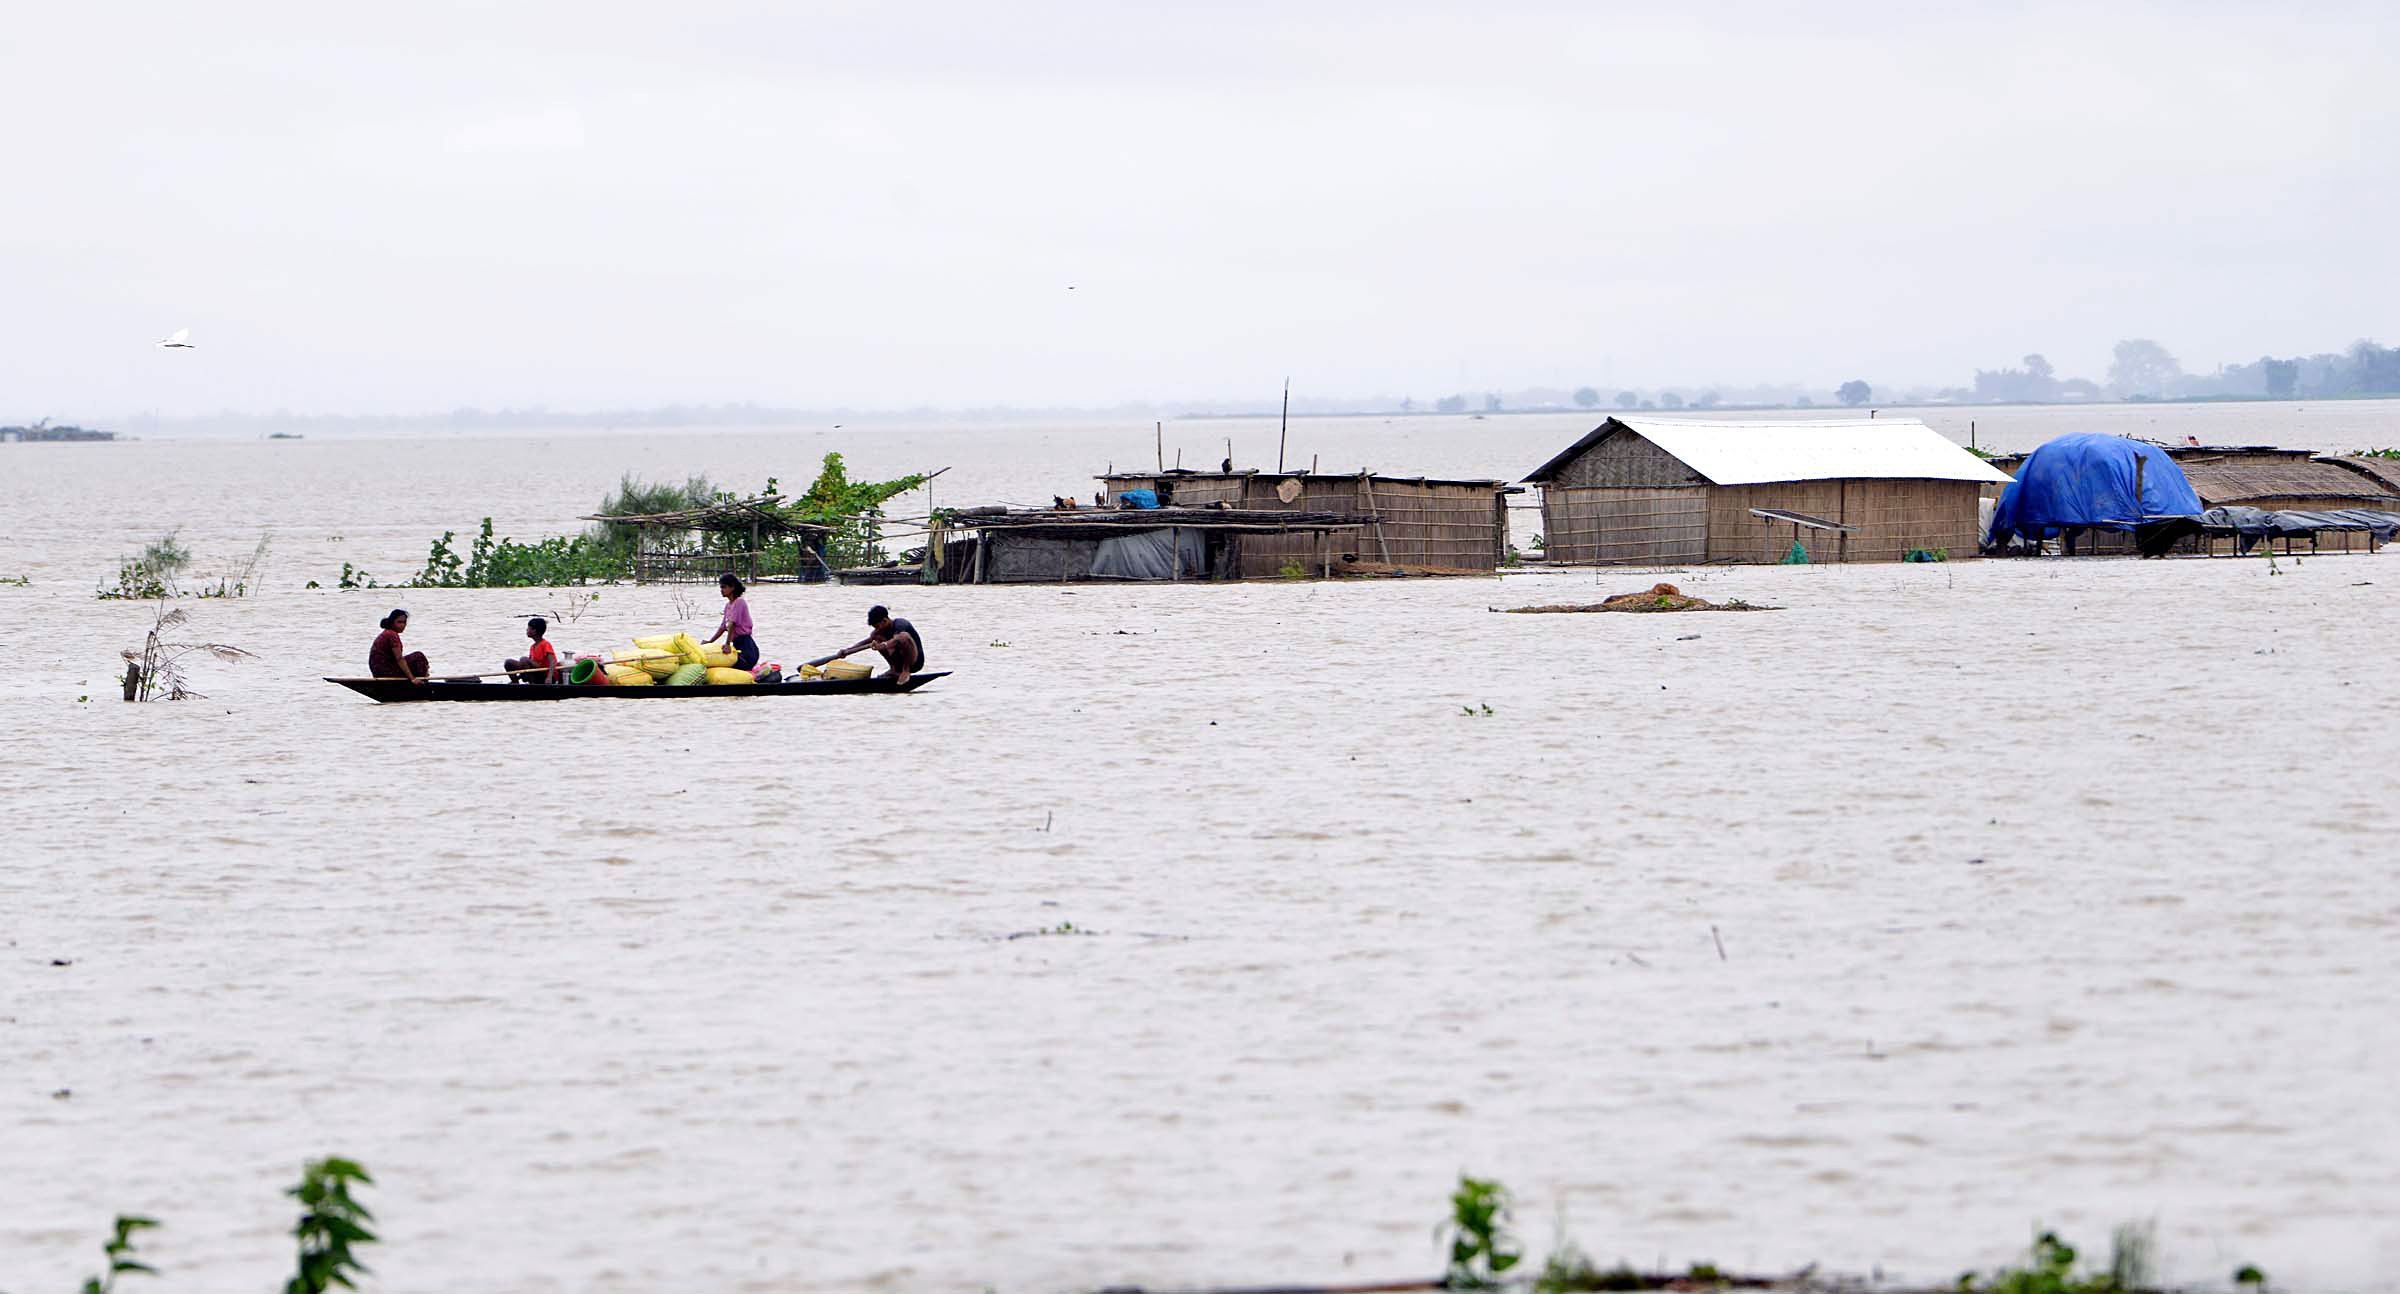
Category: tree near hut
[1669,400]
[1586,398]
[1450,404]
[1628,399]
[1854,393]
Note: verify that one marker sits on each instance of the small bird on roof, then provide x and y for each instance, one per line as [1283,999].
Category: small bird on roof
[176,340]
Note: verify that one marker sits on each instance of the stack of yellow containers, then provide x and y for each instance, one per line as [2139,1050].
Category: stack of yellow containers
[677,660]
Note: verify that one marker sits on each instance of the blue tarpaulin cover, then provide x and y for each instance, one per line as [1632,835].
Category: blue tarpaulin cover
[2087,480]
[1137,498]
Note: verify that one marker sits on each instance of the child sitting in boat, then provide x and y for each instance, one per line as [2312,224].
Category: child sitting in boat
[385,658]
[539,665]
[735,627]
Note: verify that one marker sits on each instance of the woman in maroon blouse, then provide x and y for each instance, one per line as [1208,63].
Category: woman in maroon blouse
[384,659]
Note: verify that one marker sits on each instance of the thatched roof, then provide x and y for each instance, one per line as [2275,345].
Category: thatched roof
[735,515]
[2384,471]
[2239,476]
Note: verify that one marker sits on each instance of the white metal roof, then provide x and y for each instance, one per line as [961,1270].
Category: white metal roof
[1752,453]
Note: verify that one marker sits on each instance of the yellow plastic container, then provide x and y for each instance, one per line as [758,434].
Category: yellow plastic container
[655,653]
[720,674]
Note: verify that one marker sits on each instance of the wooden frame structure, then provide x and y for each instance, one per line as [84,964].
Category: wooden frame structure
[742,528]
[1418,525]
[1068,545]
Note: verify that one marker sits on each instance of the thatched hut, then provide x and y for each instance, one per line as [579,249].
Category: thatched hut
[1418,525]
[1655,491]
[2274,479]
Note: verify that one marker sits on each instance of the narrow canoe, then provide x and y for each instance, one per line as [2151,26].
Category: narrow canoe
[397,690]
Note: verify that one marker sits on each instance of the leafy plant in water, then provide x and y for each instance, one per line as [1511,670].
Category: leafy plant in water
[120,1254]
[19,581]
[853,508]
[1292,569]
[151,575]
[331,1222]
[1481,1247]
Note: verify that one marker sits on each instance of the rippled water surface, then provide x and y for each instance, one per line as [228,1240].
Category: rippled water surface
[2056,891]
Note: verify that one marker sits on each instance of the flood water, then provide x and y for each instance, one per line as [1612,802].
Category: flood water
[1186,934]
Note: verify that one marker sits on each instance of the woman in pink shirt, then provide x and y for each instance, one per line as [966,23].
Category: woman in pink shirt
[735,627]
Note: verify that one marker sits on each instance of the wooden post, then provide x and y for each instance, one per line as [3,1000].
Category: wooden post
[983,540]
[133,680]
[1841,542]
[1285,435]
[1161,429]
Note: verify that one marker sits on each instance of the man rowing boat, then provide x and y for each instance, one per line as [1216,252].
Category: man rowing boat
[895,640]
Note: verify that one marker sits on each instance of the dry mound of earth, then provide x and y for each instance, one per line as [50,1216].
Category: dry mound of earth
[1659,597]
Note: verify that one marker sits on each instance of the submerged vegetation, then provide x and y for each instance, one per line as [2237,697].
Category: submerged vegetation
[1481,1247]
[154,671]
[120,1254]
[606,553]
[332,1225]
[154,574]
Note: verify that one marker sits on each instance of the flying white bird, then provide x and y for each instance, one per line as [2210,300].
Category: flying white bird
[176,341]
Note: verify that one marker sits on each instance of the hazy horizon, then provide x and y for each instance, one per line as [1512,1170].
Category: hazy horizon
[1069,206]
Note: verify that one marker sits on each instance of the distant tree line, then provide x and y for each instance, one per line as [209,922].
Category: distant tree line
[2141,369]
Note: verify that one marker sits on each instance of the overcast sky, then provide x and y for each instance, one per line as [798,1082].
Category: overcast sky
[396,208]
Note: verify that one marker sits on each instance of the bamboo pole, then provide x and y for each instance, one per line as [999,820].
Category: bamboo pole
[1284,436]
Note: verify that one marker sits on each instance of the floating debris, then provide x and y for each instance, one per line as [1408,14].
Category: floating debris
[1659,597]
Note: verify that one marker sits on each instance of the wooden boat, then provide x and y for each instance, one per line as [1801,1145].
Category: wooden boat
[397,690]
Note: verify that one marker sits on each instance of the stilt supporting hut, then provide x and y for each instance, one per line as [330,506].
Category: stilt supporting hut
[749,538]
[1418,525]
[1056,546]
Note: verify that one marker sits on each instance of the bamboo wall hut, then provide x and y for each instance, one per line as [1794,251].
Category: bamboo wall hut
[1419,525]
[1071,545]
[1654,491]
[744,537]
